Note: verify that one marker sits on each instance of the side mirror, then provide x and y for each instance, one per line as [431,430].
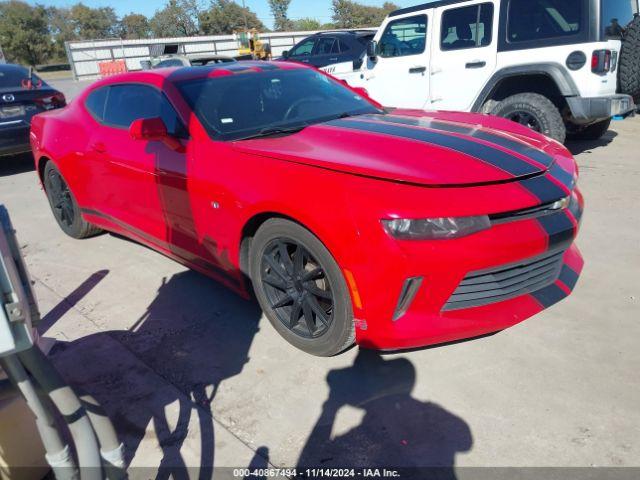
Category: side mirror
[285,54]
[154,129]
[372,49]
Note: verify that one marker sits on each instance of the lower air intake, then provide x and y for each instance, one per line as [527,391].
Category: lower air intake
[496,285]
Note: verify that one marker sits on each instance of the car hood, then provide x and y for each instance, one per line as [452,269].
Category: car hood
[434,149]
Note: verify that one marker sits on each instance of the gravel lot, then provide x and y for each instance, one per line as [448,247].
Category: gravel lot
[193,375]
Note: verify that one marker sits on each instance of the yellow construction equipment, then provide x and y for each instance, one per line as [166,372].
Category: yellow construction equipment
[250,45]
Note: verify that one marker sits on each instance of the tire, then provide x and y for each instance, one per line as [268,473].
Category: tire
[534,111]
[629,65]
[592,132]
[290,302]
[64,206]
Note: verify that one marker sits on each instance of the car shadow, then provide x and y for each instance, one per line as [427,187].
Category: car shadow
[577,147]
[15,164]
[158,379]
[397,430]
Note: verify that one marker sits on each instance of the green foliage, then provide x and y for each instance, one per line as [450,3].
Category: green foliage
[225,16]
[24,32]
[134,26]
[306,25]
[179,18]
[279,9]
[350,14]
[93,23]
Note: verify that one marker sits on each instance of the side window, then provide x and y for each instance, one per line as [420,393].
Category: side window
[540,19]
[95,103]
[127,103]
[326,46]
[304,48]
[404,37]
[467,27]
[343,46]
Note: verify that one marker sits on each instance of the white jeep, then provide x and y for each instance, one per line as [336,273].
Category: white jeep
[562,67]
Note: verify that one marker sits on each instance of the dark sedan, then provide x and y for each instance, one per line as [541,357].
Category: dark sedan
[22,95]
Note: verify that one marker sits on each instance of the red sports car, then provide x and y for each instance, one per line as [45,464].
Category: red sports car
[389,228]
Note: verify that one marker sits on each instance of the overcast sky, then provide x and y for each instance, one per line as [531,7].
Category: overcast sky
[319,9]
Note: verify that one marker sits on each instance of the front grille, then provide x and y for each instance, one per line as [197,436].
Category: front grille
[491,286]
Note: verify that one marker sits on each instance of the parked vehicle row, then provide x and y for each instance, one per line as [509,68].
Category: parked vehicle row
[391,229]
[560,67]
[22,95]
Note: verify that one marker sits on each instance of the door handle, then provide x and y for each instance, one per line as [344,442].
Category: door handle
[333,59]
[476,64]
[99,147]
[418,70]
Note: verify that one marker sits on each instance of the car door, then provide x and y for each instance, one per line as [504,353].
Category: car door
[326,52]
[463,54]
[144,181]
[303,51]
[399,76]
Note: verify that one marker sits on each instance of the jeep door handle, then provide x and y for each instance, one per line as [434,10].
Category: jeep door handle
[418,70]
[333,59]
[477,64]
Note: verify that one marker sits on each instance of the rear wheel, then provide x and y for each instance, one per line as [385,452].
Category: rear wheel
[64,206]
[301,288]
[591,132]
[534,111]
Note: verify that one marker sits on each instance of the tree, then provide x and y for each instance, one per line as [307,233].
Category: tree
[179,18]
[279,8]
[134,26]
[225,16]
[350,14]
[62,29]
[24,32]
[306,25]
[93,23]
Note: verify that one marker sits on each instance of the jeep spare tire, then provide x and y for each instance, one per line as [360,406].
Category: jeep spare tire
[630,60]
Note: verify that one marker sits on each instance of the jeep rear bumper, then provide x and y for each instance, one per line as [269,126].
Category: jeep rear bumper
[590,109]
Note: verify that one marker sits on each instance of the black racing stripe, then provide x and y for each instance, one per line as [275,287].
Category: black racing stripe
[569,277]
[492,156]
[550,295]
[544,189]
[518,147]
[564,177]
[560,230]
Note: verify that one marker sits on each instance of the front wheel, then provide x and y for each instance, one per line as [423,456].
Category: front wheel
[301,289]
[534,111]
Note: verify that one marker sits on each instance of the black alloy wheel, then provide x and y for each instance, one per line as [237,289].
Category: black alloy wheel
[297,288]
[60,198]
[64,206]
[524,118]
[301,288]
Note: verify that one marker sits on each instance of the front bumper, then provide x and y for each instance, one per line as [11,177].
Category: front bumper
[14,139]
[591,109]
[533,264]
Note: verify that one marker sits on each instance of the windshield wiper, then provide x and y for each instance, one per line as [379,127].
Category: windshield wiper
[272,131]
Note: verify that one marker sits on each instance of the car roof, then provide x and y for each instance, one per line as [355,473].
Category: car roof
[347,32]
[177,74]
[424,6]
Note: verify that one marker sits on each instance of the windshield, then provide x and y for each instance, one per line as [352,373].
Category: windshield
[615,16]
[245,104]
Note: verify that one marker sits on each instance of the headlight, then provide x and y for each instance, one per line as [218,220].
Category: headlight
[435,228]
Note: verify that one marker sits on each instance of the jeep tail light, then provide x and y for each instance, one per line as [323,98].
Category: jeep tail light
[50,102]
[601,61]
